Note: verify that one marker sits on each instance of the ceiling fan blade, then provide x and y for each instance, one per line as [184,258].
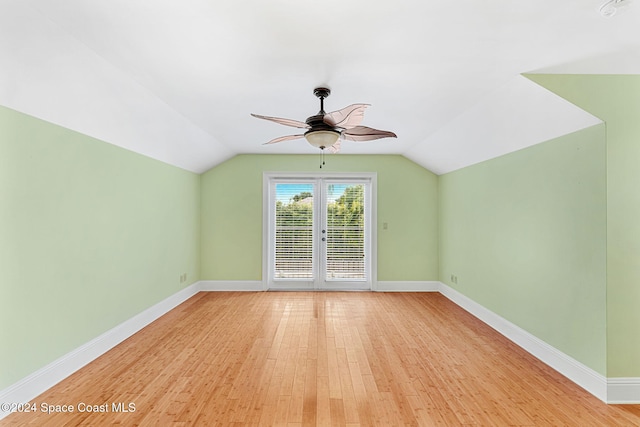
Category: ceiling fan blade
[364,133]
[284,138]
[286,122]
[335,148]
[347,118]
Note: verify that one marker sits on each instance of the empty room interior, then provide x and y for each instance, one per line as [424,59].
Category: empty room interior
[304,213]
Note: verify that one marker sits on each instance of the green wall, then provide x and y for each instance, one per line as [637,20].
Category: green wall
[232,214]
[90,235]
[525,234]
[616,100]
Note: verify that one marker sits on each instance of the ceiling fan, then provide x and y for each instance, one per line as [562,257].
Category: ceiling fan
[328,130]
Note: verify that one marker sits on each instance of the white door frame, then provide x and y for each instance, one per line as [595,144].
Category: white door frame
[371,218]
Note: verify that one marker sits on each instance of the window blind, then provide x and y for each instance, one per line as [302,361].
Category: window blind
[345,232]
[294,231]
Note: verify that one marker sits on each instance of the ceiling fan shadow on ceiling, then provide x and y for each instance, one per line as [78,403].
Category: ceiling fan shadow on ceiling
[611,7]
[326,131]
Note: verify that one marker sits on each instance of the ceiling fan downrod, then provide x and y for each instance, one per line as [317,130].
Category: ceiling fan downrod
[322,93]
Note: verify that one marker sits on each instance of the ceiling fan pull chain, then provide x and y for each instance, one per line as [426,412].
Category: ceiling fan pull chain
[321,158]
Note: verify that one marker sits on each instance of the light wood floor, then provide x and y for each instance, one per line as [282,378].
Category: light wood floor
[325,358]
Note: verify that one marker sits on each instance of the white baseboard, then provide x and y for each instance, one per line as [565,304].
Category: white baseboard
[407,286]
[580,374]
[41,380]
[623,391]
[381,286]
[231,285]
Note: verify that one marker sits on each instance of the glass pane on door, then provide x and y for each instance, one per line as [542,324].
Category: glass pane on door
[345,232]
[294,246]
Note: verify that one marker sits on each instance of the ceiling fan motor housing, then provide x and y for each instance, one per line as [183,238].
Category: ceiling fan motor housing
[317,123]
[320,134]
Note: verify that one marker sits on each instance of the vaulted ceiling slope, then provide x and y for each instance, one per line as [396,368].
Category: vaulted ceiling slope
[176,81]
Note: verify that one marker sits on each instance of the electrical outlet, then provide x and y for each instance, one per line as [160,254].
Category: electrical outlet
[385,225]
[454,278]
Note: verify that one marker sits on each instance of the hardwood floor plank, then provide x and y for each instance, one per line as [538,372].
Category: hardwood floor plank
[310,398]
[326,358]
[323,407]
[336,407]
[296,401]
[348,396]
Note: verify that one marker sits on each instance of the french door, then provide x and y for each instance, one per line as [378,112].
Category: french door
[319,232]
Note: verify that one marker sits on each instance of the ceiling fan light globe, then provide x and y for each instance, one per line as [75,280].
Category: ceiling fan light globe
[322,138]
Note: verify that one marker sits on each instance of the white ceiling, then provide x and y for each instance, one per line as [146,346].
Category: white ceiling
[176,80]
